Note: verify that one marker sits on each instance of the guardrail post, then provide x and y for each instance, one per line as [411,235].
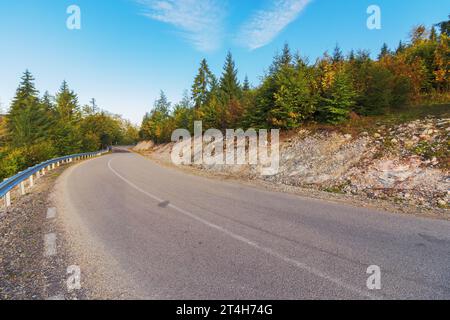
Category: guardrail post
[31,181]
[7,199]
[22,188]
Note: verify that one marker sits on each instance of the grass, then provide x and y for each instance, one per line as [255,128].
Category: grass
[371,124]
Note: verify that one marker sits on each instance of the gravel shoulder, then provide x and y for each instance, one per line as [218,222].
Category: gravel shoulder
[25,273]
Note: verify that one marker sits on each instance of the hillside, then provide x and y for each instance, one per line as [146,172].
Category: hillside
[404,162]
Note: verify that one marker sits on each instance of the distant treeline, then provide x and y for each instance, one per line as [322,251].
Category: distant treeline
[294,91]
[40,128]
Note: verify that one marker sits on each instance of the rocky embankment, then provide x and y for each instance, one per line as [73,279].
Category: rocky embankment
[406,163]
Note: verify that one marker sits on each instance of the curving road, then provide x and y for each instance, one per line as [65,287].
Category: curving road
[179,236]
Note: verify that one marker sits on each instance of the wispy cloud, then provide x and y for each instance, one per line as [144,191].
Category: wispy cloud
[200,22]
[265,25]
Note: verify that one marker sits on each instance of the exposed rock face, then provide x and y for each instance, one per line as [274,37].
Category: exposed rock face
[144,146]
[400,162]
[407,162]
[319,159]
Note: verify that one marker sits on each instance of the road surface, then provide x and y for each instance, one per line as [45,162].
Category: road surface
[180,236]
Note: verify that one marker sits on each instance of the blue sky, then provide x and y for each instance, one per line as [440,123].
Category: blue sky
[128,50]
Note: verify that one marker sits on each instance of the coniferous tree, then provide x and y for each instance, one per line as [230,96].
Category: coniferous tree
[230,94]
[66,133]
[26,121]
[338,56]
[384,51]
[156,125]
[444,26]
[204,82]
[246,84]
[229,84]
[433,34]
[401,47]
[337,102]
[294,100]
[67,103]
[183,114]
[351,56]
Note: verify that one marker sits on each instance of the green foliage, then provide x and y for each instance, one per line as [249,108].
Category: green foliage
[37,129]
[204,83]
[27,121]
[293,91]
[293,100]
[11,162]
[157,124]
[377,96]
[338,100]
[230,88]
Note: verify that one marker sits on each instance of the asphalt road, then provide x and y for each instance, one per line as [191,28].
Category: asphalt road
[179,236]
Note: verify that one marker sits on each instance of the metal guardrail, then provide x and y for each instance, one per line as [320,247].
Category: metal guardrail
[39,169]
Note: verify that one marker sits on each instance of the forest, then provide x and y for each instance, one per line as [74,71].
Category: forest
[294,91]
[37,128]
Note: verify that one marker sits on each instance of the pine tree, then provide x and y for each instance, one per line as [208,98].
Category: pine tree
[66,103]
[229,85]
[230,94]
[157,124]
[293,99]
[66,133]
[351,56]
[246,85]
[162,105]
[444,27]
[26,120]
[47,101]
[338,100]
[285,59]
[338,56]
[433,34]
[183,113]
[203,84]
[286,56]
[401,47]
[384,51]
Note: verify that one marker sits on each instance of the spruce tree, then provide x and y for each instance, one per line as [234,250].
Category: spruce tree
[401,47]
[66,103]
[337,102]
[230,94]
[280,60]
[66,133]
[26,120]
[433,34]
[384,51]
[203,84]
[338,56]
[246,85]
[229,84]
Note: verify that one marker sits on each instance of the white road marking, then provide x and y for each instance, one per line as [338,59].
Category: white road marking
[51,213]
[266,250]
[50,244]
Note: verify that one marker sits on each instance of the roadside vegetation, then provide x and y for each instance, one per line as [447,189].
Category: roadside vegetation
[38,128]
[336,91]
